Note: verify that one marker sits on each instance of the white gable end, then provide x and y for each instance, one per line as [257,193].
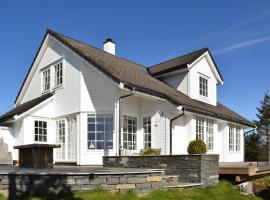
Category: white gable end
[201,68]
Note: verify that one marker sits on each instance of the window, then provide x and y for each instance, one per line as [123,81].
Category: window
[209,134]
[147,132]
[200,128]
[58,79]
[40,131]
[231,138]
[234,138]
[46,80]
[129,132]
[203,86]
[205,131]
[60,139]
[100,131]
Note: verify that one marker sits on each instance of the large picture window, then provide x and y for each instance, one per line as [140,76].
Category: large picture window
[129,132]
[58,74]
[147,132]
[40,131]
[100,131]
[205,131]
[234,138]
[46,80]
[203,86]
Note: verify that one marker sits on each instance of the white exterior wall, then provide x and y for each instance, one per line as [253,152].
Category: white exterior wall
[67,99]
[202,67]
[178,81]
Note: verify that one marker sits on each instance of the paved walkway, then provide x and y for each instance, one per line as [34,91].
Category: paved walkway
[62,169]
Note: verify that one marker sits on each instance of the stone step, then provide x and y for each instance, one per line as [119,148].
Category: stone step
[182,185]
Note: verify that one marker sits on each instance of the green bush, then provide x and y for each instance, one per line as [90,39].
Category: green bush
[150,152]
[197,147]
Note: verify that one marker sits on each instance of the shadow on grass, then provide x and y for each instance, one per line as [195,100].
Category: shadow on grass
[44,187]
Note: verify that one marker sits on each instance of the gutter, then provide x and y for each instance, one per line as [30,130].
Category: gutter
[171,123]
[119,120]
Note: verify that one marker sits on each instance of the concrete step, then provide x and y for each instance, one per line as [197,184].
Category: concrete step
[182,185]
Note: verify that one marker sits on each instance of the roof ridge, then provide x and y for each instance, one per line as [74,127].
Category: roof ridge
[175,58]
[50,31]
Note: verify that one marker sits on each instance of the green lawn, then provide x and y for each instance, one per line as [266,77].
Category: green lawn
[224,191]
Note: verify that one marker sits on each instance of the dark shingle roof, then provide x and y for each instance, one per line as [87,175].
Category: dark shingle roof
[180,62]
[24,107]
[176,63]
[137,77]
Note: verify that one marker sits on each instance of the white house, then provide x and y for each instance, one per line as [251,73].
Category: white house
[95,103]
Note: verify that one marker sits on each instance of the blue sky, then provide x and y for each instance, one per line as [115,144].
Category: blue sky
[147,32]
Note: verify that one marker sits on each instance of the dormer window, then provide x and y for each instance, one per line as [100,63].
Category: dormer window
[46,80]
[58,69]
[203,86]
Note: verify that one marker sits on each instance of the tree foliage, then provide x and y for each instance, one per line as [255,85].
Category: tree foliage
[257,143]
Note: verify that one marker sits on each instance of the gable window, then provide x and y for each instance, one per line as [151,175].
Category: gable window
[203,86]
[234,138]
[58,69]
[205,131]
[129,132]
[40,131]
[147,132]
[100,131]
[46,80]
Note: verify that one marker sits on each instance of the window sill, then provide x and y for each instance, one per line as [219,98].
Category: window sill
[58,87]
[45,92]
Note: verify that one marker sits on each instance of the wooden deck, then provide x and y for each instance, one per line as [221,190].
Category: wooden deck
[243,171]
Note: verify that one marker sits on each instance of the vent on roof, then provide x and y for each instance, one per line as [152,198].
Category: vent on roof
[109,46]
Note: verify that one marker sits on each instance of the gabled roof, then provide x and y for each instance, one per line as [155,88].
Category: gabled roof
[24,107]
[137,77]
[180,62]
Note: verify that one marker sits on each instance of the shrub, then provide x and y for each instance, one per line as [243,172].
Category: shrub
[197,147]
[150,152]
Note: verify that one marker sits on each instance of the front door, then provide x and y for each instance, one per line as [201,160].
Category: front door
[66,137]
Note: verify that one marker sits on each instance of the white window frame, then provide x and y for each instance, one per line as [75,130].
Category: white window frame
[92,143]
[205,131]
[234,138]
[40,131]
[46,80]
[203,86]
[58,74]
[61,138]
[147,130]
[130,138]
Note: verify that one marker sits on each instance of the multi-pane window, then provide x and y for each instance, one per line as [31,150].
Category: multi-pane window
[234,138]
[61,139]
[205,131]
[147,132]
[237,139]
[46,80]
[40,131]
[100,131]
[129,132]
[231,138]
[58,79]
[203,86]
[209,134]
[199,128]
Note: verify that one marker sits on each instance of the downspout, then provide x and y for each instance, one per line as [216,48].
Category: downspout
[119,121]
[171,123]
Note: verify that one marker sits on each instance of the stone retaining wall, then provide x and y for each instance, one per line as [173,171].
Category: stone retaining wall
[17,185]
[190,168]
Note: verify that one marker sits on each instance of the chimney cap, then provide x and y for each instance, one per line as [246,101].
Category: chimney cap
[108,40]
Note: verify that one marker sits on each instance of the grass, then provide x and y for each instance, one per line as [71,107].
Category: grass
[224,191]
[261,187]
